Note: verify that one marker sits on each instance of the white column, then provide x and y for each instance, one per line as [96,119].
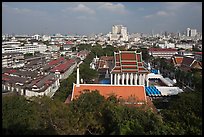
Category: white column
[123,78]
[131,79]
[118,79]
[136,79]
[140,77]
[144,77]
[111,78]
[127,78]
[115,79]
[8,88]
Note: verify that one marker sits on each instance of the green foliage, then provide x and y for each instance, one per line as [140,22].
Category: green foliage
[92,114]
[145,54]
[184,115]
[65,88]
[86,73]
[84,47]
[28,54]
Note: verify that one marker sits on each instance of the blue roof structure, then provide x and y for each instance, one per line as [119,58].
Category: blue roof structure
[105,81]
[155,71]
[152,91]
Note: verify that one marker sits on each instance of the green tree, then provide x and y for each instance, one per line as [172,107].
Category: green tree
[65,88]
[86,112]
[184,114]
[87,74]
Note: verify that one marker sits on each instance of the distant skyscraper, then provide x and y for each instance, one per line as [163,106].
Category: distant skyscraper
[118,31]
[179,34]
[193,32]
[188,32]
[124,34]
[165,33]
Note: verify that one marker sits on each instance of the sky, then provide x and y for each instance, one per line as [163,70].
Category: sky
[86,18]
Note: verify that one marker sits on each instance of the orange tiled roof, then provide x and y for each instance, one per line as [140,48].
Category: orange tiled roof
[178,60]
[121,91]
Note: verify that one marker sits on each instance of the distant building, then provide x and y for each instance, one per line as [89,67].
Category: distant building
[28,83]
[162,52]
[10,47]
[13,60]
[186,63]
[63,70]
[188,32]
[82,54]
[119,32]
[193,32]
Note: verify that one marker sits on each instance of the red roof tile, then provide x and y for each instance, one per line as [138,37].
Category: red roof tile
[63,67]
[55,62]
[127,56]
[128,59]
[121,91]
[178,60]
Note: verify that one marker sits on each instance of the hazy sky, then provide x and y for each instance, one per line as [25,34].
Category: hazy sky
[98,17]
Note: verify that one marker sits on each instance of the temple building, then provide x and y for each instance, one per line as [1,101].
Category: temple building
[129,69]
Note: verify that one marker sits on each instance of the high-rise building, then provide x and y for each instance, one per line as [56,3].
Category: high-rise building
[193,32]
[188,32]
[124,34]
[118,31]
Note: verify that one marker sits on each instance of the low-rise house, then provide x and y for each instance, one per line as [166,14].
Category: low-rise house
[190,63]
[14,84]
[186,63]
[43,86]
[51,64]
[29,83]
[198,56]
[62,71]
[177,60]
[82,54]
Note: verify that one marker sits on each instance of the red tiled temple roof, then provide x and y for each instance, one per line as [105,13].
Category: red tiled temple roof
[121,91]
[128,61]
[178,60]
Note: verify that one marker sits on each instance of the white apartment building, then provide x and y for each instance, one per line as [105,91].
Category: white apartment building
[184,46]
[188,32]
[124,34]
[119,32]
[193,32]
[12,60]
[27,48]
[162,52]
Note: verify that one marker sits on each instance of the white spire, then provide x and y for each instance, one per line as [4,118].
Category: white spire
[77,82]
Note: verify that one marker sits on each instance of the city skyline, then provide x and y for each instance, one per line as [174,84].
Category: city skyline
[98,17]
